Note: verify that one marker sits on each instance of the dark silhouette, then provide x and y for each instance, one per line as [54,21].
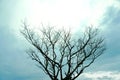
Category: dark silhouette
[59,54]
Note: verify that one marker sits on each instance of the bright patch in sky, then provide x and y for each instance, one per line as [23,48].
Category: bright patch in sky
[64,13]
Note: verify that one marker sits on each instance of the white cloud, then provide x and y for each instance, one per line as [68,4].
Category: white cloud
[101,75]
[72,13]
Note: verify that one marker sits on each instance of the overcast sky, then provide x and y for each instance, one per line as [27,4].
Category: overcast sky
[104,14]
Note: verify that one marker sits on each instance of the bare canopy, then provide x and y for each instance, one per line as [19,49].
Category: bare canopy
[59,54]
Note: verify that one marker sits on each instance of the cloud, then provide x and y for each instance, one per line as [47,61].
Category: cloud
[101,75]
[63,12]
[111,23]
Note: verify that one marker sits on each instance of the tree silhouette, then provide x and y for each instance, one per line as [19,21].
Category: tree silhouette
[59,54]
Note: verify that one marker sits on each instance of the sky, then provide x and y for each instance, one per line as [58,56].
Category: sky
[74,14]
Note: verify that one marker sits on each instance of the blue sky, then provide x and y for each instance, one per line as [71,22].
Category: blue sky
[104,14]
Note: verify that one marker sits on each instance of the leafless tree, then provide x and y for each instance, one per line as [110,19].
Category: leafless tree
[59,54]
